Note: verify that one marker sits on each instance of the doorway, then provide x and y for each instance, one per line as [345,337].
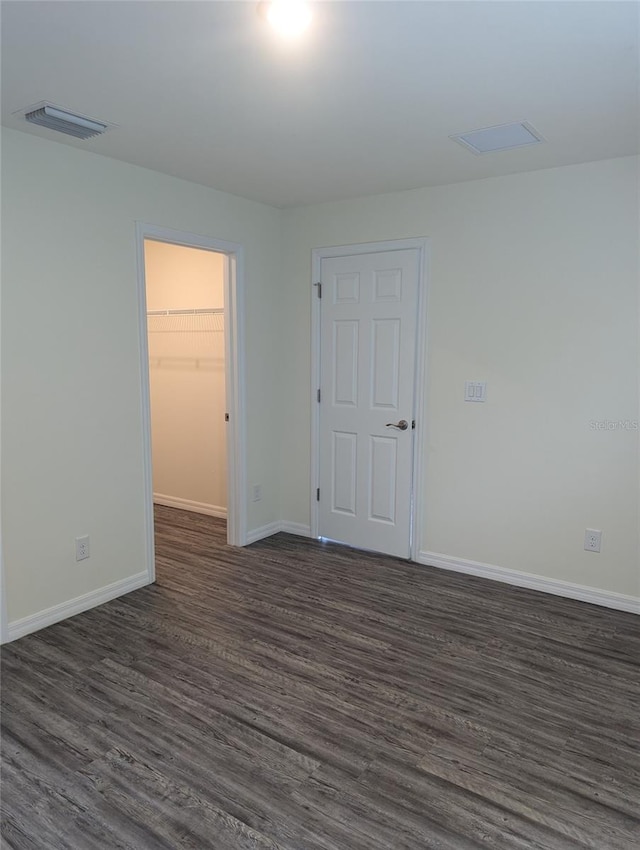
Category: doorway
[185,326]
[368,352]
[224,319]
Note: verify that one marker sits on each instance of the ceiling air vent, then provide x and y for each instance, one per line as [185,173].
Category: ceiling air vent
[65,122]
[504,137]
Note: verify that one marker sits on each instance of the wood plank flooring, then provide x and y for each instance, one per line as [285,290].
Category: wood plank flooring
[303,696]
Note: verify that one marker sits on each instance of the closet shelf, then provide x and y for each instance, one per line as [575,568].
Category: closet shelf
[205,311]
[186,321]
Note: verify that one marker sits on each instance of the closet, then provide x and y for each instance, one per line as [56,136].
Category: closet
[185,325]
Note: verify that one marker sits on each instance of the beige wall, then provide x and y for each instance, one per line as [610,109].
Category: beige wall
[533,288]
[72,432]
[187,377]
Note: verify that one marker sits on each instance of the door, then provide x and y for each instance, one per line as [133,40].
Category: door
[368,330]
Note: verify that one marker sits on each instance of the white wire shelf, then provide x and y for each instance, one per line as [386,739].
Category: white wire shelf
[203,320]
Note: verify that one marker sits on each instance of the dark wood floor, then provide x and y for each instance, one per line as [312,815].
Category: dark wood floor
[299,695]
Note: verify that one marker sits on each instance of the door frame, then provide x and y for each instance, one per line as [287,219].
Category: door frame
[234,377]
[421,244]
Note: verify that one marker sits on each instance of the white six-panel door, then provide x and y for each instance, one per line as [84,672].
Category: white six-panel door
[368,325]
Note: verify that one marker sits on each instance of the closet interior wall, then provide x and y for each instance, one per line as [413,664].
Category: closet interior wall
[187,376]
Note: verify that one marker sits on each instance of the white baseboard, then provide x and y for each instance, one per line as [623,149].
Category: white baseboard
[264,531]
[583,593]
[275,527]
[295,528]
[189,505]
[35,622]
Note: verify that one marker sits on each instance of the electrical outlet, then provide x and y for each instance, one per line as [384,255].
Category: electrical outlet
[82,548]
[592,540]
[257,492]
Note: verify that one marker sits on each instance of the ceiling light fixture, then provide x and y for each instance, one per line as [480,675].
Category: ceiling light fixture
[289,18]
[65,122]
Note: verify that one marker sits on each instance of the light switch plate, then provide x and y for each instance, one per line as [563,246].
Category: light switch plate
[475,390]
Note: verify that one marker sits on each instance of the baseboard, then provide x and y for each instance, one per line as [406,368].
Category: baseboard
[35,622]
[297,528]
[264,531]
[189,505]
[583,593]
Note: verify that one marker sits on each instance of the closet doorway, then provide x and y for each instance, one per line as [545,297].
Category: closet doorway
[191,348]
[185,327]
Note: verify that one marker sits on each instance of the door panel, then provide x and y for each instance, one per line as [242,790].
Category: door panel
[343,483]
[345,363]
[368,344]
[383,462]
[385,363]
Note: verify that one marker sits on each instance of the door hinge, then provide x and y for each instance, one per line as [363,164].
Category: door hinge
[318,395]
[319,287]
[318,495]
[226,417]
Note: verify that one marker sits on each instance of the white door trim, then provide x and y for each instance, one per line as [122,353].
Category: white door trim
[4,625]
[4,622]
[234,377]
[419,455]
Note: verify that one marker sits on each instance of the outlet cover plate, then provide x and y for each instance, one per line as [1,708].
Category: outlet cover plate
[82,548]
[592,540]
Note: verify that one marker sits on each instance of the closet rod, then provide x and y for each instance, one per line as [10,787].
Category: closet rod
[207,311]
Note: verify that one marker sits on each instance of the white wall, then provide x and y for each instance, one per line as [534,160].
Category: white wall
[72,434]
[187,377]
[533,288]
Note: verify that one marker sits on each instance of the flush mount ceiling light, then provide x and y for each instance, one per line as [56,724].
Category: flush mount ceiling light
[289,18]
[54,118]
[503,137]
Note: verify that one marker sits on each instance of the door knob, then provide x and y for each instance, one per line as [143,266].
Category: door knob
[402,425]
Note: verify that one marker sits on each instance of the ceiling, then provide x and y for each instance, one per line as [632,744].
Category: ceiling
[364,104]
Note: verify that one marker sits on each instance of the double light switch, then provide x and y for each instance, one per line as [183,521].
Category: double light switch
[475,390]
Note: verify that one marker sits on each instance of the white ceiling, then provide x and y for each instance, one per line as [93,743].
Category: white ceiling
[204,91]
